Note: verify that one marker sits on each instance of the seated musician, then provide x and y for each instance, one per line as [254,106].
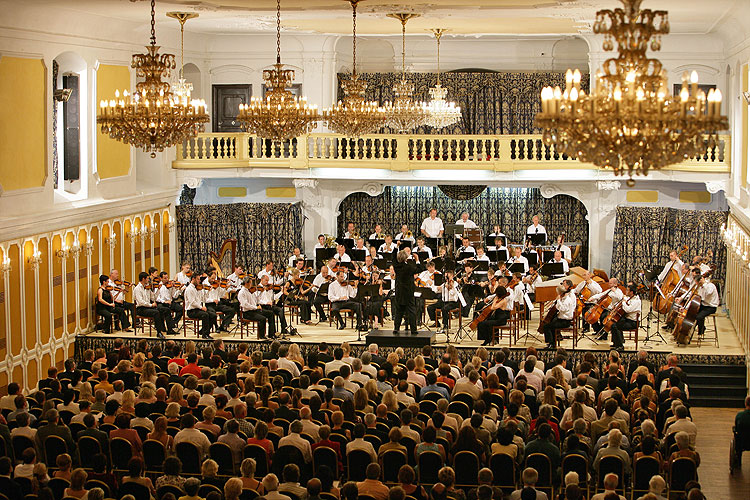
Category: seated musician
[145,306]
[377,234]
[299,295]
[699,261]
[466,222]
[267,299]
[631,307]
[235,281]
[321,241]
[405,234]
[183,278]
[119,296]
[341,293]
[675,263]
[273,277]
[529,283]
[562,247]
[341,255]
[195,305]
[558,259]
[373,253]
[496,231]
[448,300]
[296,255]
[481,257]
[351,232]
[593,288]
[300,266]
[710,300]
[388,246]
[469,293]
[566,307]
[682,292]
[321,297]
[250,309]
[614,293]
[498,317]
[519,259]
[374,308]
[465,247]
[106,307]
[421,247]
[170,309]
[428,275]
[360,244]
[213,302]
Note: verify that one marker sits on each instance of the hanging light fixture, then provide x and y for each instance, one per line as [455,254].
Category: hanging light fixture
[354,116]
[281,115]
[442,112]
[153,117]
[631,123]
[404,114]
[182,88]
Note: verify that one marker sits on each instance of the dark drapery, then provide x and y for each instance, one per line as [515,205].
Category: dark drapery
[644,237]
[512,208]
[263,231]
[491,103]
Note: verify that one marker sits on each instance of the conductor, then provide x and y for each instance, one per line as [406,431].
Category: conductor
[404,300]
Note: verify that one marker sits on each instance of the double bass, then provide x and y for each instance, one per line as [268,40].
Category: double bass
[667,285]
[685,320]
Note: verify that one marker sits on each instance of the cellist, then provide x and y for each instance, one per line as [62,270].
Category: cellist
[709,302]
[586,289]
[566,308]
[674,263]
[616,295]
[631,307]
[498,317]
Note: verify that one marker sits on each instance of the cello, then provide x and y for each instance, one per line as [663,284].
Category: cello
[668,284]
[551,314]
[614,316]
[595,313]
[686,315]
[484,313]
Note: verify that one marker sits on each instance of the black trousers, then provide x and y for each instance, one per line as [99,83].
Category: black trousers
[207,318]
[549,329]
[152,312]
[170,312]
[276,311]
[445,308]
[129,307]
[108,313]
[598,324]
[258,316]
[318,302]
[224,308]
[700,318]
[498,318]
[305,309]
[355,306]
[618,339]
[406,311]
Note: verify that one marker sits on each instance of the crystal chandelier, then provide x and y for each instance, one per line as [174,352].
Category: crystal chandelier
[281,115]
[153,117]
[404,114]
[442,112]
[631,123]
[182,88]
[354,116]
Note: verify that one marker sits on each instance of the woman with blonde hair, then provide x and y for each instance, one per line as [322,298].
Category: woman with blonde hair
[372,389]
[209,473]
[148,374]
[147,393]
[138,361]
[247,469]
[390,401]
[128,403]
[261,377]
[295,354]
[172,413]
[361,401]
[160,434]
[419,365]
[175,395]
[77,480]
[189,348]
[84,393]
[560,378]
[233,489]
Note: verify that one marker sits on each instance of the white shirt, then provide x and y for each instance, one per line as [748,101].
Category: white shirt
[193,298]
[432,226]
[318,281]
[709,295]
[235,283]
[564,262]
[338,293]
[401,237]
[117,295]
[215,294]
[141,296]
[164,294]
[318,245]
[248,300]
[631,307]
[469,249]
[374,236]
[271,278]
[426,277]
[566,306]
[521,260]
[267,297]
[615,294]
[342,257]
[288,365]
[565,249]
[593,286]
[531,287]
[293,259]
[677,267]
[423,249]
[385,249]
[448,293]
[348,235]
[532,229]
[468,224]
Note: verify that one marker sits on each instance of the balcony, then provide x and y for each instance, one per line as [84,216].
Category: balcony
[497,153]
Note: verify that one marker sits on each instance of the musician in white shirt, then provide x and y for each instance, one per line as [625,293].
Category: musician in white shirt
[558,259]
[195,307]
[341,255]
[497,232]
[631,308]
[529,283]
[321,297]
[593,287]
[351,232]
[710,300]
[448,301]
[388,246]
[562,247]
[296,255]
[615,294]
[428,276]
[360,245]
[698,261]
[250,309]
[321,241]
[235,282]
[465,247]
[432,226]
[272,276]
[535,227]
[213,303]
[481,257]
[144,306]
[674,263]
[170,310]
[267,299]
[340,293]
[566,307]
[378,233]
[519,259]
[405,235]
[183,278]
[422,248]
[466,222]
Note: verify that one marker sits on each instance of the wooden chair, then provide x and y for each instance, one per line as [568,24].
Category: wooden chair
[141,322]
[195,324]
[250,324]
[632,334]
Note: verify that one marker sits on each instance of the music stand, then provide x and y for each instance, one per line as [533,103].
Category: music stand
[537,239]
[425,293]
[548,255]
[432,243]
[454,229]
[552,269]
[532,257]
[465,255]
[651,282]
[382,265]
[498,255]
[517,267]
[375,242]
[323,255]
[490,240]
[404,244]
[357,254]
[482,266]
[423,256]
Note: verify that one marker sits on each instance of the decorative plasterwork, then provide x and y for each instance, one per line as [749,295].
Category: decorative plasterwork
[608,185]
[192,182]
[714,187]
[373,188]
[549,190]
[305,183]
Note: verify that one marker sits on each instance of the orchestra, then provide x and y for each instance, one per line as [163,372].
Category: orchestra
[490,284]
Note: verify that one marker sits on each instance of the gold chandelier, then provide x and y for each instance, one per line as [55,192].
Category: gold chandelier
[182,88]
[354,116]
[631,123]
[442,112]
[153,117]
[281,115]
[404,114]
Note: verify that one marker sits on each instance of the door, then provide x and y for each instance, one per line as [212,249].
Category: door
[226,106]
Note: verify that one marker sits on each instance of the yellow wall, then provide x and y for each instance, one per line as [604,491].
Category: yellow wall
[112,157]
[744,127]
[23,137]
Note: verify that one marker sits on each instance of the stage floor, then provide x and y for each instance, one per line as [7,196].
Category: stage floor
[729,343]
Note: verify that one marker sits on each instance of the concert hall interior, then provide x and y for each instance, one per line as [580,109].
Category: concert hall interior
[570,190]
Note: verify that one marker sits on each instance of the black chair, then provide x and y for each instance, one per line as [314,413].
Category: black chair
[252,495]
[392,461]
[142,431]
[373,440]
[466,465]
[580,465]
[95,483]
[740,443]
[465,397]
[497,400]
[460,408]
[611,464]
[543,466]
[292,496]
[53,447]
[107,428]
[681,471]
[258,453]
[210,435]
[410,445]
[88,447]
[154,454]
[222,455]
[205,489]
[340,439]
[328,496]
[75,428]
[427,406]
[324,455]
[357,461]
[25,483]
[287,455]
[121,452]
[503,468]
[284,424]
[139,491]
[433,396]
[58,485]
[189,456]
[169,488]
[643,470]
[20,443]
[429,463]
[66,415]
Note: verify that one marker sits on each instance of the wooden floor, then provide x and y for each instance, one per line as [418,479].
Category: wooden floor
[714,435]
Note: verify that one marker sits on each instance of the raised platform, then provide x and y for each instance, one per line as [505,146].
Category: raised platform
[389,338]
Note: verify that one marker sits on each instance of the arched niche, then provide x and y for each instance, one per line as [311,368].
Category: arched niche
[192,75]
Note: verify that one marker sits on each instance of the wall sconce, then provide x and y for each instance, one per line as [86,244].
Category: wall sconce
[64,252]
[88,247]
[5,265]
[111,241]
[136,235]
[171,224]
[35,259]
[154,229]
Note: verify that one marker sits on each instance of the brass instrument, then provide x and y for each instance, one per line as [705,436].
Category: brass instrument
[408,234]
[330,241]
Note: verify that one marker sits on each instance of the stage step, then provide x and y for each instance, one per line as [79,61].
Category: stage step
[716,386]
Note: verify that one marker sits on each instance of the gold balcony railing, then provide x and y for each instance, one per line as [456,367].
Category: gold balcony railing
[402,153]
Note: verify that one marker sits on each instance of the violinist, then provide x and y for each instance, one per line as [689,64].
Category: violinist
[499,315]
[448,301]
[566,308]
[674,263]
[154,281]
[631,307]
[268,271]
[519,259]
[267,298]
[321,296]
[106,307]
[341,255]
[299,295]
[341,295]
[145,306]
[235,280]
[529,283]
[421,247]
[374,308]
[587,288]
[468,278]
[427,277]
[296,255]
[119,295]
[709,302]
[250,309]
[615,294]
[195,306]
[183,278]
[170,310]
[215,293]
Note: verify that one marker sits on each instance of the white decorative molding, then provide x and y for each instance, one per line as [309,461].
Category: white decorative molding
[192,182]
[373,188]
[714,187]
[305,183]
[549,190]
[608,185]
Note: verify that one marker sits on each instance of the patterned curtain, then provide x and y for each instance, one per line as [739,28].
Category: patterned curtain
[263,231]
[512,208]
[644,237]
[491,103]
[187,195]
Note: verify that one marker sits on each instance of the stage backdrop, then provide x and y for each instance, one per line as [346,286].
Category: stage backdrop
[263,231]
[491,103]
[512,208]
[644,237]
